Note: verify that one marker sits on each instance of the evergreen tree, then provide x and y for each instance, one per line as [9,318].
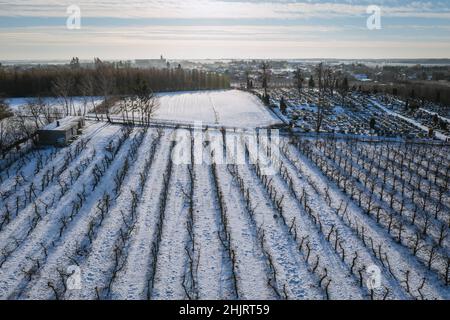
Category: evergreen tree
[372,123]
[265,77]
[283,105]
[311,83]
[299,80]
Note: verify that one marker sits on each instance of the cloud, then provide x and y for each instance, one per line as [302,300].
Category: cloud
[140,34]
[224,28]
[224,8]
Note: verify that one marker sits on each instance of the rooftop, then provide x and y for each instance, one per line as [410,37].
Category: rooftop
[64,124]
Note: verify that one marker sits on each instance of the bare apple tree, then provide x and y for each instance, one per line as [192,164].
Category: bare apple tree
[62,88]
[146,102]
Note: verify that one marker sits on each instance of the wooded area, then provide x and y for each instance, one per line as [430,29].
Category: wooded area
[434,91]
[110,79]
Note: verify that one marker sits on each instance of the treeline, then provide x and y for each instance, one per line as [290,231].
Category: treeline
[428,91]
[116,80]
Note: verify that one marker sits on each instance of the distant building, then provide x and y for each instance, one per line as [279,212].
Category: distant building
[61,132]
[152,63]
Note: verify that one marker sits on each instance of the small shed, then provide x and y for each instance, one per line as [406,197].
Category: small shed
[61,132]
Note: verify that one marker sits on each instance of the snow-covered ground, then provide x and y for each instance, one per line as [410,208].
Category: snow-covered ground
[229,108]
[438,135]
[77,103]
[113,216]
[136,225]
[435,114]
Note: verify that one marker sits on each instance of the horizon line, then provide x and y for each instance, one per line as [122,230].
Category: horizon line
[209,59]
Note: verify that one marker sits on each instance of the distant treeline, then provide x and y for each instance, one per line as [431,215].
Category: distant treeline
[103,79]
[427,90]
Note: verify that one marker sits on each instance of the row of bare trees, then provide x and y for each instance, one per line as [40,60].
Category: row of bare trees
[190,283]
[140,107]
[332,231]
[416,238]
[27,191]
[103,208]
[224,233]
[156,243]
[353,259]
[316,267]
[411,206]
[40,208]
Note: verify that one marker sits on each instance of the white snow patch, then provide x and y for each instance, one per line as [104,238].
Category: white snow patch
[228,108]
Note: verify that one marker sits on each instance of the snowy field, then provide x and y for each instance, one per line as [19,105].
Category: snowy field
[230,108]
[76,103]
[113,211]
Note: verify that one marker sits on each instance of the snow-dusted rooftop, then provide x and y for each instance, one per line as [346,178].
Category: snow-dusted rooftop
[63,124]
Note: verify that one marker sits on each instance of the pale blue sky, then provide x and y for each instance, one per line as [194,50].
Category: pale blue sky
[196,29]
